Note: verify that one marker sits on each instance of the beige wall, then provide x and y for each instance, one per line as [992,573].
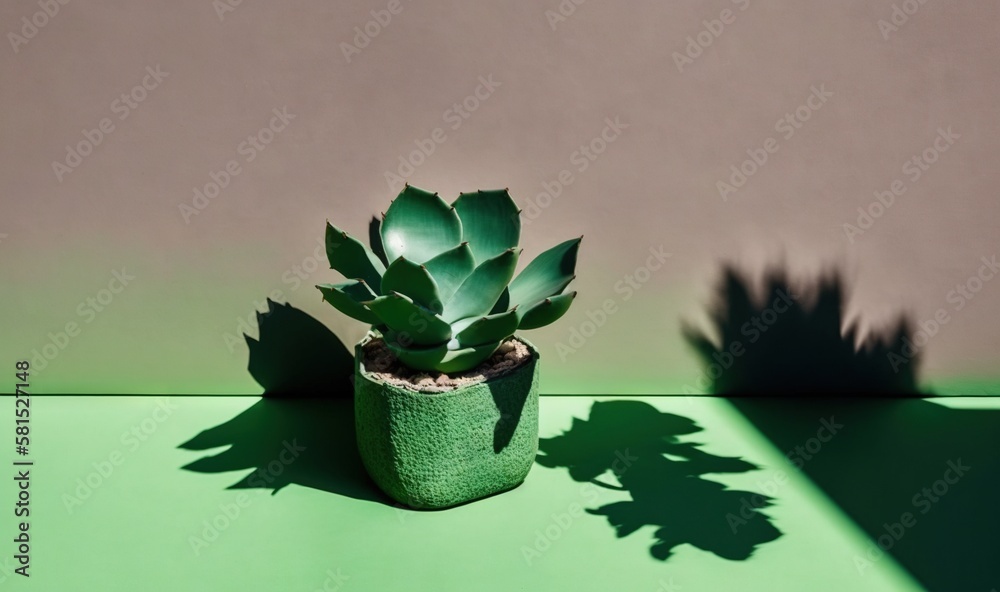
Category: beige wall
[553,90]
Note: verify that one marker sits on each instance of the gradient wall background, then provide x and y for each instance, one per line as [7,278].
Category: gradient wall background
[553,81]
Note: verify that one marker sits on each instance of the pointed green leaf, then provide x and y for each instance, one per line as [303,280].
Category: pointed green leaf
[546,311]
[410,321]
[491,222]
[487,329]
[547,275]
[347,297]
[480,291]
[419,225]
[414,281]
[442,359]
[449,269]
[352,258]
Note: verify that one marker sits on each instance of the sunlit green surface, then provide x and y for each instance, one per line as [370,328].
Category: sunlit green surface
[133,532]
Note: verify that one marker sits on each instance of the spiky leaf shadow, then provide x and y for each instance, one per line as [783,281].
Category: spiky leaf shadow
[302,431]
[664,475]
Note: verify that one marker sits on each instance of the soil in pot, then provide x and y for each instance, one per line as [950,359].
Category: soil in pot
[383,365]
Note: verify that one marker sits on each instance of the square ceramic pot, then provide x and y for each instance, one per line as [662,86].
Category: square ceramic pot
[435,450]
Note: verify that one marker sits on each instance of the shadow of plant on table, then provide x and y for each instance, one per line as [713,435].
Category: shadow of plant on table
[643,450]
[302,431]
[918,477]
[794,341]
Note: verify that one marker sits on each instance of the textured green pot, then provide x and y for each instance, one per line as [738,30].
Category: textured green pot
[435,450]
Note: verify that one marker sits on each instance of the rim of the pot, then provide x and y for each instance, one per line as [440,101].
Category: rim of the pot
[372,334]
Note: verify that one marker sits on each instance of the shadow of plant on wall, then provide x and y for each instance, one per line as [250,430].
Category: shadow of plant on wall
[642,448]
[302,431]
[794,341]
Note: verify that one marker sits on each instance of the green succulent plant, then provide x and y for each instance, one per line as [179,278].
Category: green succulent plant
[437,280]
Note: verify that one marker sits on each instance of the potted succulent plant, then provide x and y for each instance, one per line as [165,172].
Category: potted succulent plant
[446,396]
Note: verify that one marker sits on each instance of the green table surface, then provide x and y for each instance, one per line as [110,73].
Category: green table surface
[194,493]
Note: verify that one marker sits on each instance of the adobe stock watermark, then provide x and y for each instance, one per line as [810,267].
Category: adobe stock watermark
[579,160]
[403,512]
[667,586]
[798,457]
[561,522]
[454,116]
[294,278]
[230,512]
[562,12]
[249,149]
[122,106]
[366,33]
[626,289]
[923,502]
[333,582]
[224,7]
[958,297]
[87,310]
[753,330]
[559,525]
[7,568]
[711,30]
[913,169]
[131,440]
[900,15]
[759,156]
[31,25]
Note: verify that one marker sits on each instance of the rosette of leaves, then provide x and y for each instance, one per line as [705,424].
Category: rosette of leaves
[438,280]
